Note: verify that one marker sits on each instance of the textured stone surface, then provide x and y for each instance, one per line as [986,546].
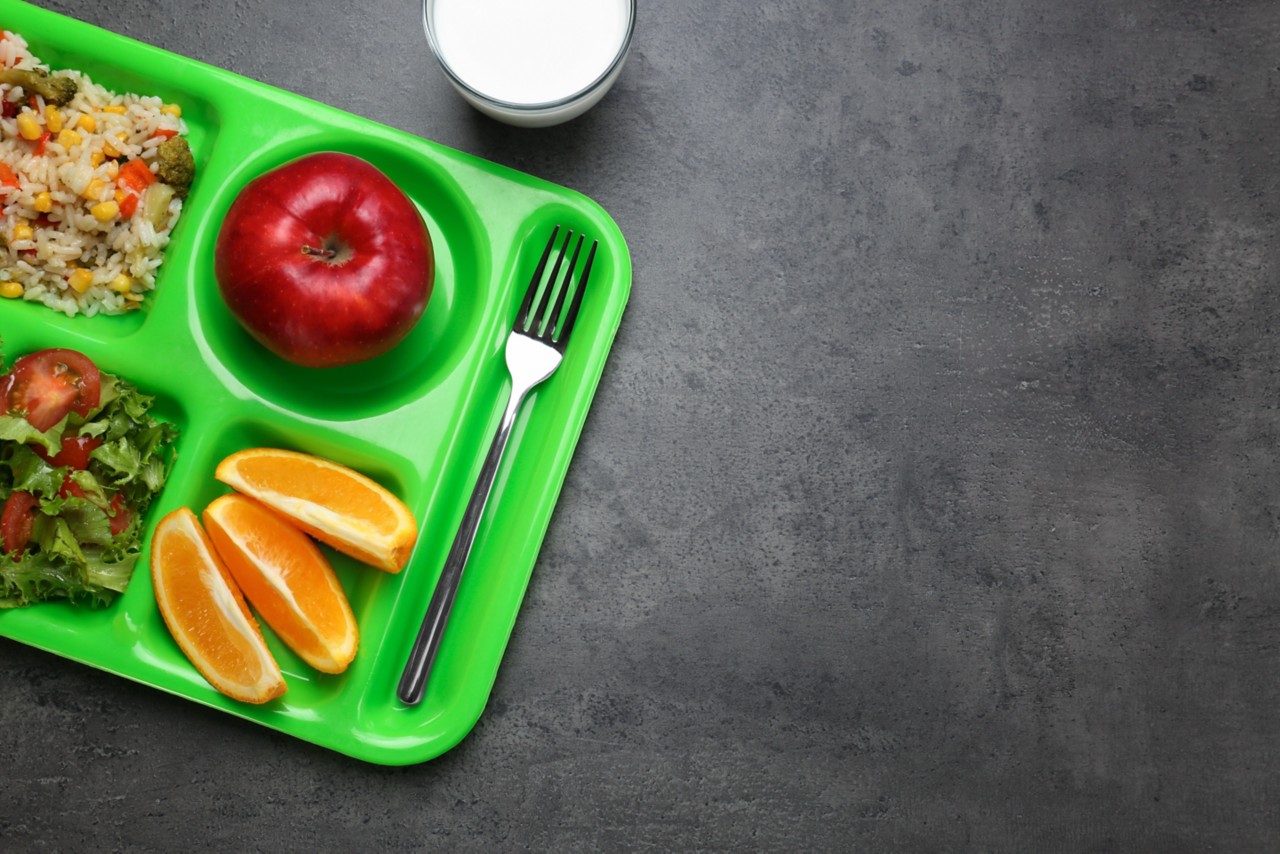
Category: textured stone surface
[929,500]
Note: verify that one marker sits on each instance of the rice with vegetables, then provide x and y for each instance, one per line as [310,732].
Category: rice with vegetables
[91,183]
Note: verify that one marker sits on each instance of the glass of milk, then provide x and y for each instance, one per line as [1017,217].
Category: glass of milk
[531,63]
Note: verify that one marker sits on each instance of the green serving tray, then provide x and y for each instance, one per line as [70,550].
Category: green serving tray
[417,419]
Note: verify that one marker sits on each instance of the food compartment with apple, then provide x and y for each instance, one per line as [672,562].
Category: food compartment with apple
[345,274]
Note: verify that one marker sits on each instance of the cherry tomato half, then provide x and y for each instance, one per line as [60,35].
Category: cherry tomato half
[74,452]
[46,385]
[120,514]
[16,521]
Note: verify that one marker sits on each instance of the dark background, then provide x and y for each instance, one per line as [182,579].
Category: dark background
[930,498]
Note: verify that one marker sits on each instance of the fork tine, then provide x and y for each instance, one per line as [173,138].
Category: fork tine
[540,325]
[524,315]
[554,317]
[567,326]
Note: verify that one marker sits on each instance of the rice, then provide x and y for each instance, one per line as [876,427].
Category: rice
[58,246]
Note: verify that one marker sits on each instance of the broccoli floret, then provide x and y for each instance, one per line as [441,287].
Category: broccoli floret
[175,165]
[55,90]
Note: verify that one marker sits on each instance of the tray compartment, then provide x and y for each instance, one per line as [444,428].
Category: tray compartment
[148,72]
[437,345]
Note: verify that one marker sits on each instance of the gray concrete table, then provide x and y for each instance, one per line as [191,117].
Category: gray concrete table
[931,497]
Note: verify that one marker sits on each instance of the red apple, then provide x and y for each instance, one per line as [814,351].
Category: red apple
[325,261]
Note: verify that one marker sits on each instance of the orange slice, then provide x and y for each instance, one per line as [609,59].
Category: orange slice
[331,502]
[286,579]
[207,615]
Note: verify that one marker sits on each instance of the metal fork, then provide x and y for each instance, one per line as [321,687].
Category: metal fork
[534,350]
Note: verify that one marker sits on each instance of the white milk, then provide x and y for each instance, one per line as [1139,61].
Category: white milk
[529,51]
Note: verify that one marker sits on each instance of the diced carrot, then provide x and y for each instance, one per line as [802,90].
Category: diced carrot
[164,133]
[129,205]
[42,142]
[8,177]
[135,176]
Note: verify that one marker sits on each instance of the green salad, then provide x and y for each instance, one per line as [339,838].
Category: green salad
[81,459]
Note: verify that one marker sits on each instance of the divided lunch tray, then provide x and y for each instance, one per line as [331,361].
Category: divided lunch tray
[417,419]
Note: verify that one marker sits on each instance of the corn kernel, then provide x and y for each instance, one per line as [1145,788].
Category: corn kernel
[28,126]
[115,150]
[122,283]
[87,123]
[174,110]
[96,158]
[94,189]
[11,290]
[113,169]
[23,231]
[43,202]
[80,280]
[120,196]
[118,109]
[105,211]
[52,118]
[69,138]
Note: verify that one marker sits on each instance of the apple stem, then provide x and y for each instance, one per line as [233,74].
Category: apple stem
[321,252]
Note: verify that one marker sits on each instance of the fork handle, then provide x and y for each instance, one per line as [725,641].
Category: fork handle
[413,682]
